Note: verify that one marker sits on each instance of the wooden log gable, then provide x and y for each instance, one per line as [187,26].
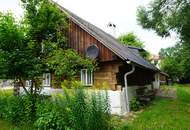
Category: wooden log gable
[80,40]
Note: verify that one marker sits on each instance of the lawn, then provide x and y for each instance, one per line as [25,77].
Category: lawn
[165,114]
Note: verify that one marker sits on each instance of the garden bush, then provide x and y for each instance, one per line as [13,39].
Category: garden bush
[17,110]
[75,109]
[135,104]
[10,107]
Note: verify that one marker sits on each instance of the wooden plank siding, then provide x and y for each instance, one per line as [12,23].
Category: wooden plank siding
[111,69]
[80,40]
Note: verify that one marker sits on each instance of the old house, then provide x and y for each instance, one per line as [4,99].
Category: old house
[121,68]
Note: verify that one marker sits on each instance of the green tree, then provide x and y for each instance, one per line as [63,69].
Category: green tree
[175,61]
[170,62]
[33,46]
[16,59]
[131,39]
[164,16]
[47,26]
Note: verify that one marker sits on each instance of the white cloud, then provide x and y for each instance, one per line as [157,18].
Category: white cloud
[100,12]
[11,5]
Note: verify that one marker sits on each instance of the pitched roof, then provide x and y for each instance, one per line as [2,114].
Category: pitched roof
[163,73]
[136,48]
[108,41]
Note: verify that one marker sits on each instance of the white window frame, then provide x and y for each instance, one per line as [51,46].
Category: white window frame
[86,77]
[28,83]
[46,81]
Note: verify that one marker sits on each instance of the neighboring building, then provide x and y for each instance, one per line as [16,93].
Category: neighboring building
[164,78]
[121,68]
[155,60]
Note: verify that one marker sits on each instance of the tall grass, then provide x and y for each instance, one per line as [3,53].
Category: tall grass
[16,110]
[74,110]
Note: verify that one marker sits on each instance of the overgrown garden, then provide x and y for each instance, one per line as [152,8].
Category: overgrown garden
[71,110]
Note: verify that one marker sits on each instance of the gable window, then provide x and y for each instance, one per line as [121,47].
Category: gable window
[47,80]
[87,77]
[28,83]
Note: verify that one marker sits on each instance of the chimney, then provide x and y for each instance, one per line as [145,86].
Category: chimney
[111,29]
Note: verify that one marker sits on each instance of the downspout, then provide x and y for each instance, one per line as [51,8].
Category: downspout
[126,86]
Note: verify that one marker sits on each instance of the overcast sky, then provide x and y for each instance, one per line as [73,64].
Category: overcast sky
[100,12]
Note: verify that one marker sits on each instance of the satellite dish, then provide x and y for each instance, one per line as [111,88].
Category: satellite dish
[92,51]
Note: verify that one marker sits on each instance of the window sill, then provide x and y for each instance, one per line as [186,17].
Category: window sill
[88,85]
[46,85]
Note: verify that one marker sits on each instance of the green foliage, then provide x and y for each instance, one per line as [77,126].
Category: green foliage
[31,47]
[75,109]
[99,112]
[17,110]
[44,20]
[68,63]
[131,40]
[11,46]
[165,16]
[135,104]
[37,45]
[18,60]
[175,61]
[50,116]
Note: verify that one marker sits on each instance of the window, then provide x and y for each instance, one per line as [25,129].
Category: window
[28,83]
[47,80]
[86,77]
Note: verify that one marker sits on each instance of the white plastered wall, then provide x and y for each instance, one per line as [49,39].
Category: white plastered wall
[156,83]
